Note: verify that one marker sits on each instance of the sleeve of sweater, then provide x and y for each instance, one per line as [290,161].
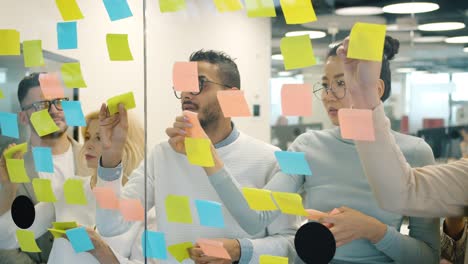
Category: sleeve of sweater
[438,190]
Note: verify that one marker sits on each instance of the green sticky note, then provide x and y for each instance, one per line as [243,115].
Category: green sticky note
[43,190]
[228,5]
[178,209]
[72,76]
[260,8]
[23,148]
[26,241]
[32,50]
[69,10]
[127,99]
[267,259]
[366,42]
[118,48]
[259,199]
[10,44]
[180,251]
[74,192]
[43,123]
[1,94]
[171,5]
[290,203]
[17,171]
[298,11]
[64,225]
[199,151]
[57,233]
[297,52]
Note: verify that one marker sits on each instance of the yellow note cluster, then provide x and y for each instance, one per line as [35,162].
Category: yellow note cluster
[262,200]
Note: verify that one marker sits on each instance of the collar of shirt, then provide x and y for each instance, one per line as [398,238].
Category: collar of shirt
[229,139]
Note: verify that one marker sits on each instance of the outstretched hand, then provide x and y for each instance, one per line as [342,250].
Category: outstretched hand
[113,131]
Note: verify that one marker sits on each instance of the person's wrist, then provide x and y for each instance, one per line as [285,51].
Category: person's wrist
[236,251]
[378,231]
[111,158]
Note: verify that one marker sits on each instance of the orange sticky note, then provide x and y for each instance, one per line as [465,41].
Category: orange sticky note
[32,51]
[213,248]
[366,41]
[266,259]
[185,76]
[298,11]
[10,44]
[171,5]
[297,52]
[51,86]
[356,124]
[69,10]
[106,198]
[43,123]
[196,131]
[199,151]
[17,171]
[228,5]
[260,8]
[289,203]
[27,241]
[132,210]
[233,103]
[259,199]
[296,100]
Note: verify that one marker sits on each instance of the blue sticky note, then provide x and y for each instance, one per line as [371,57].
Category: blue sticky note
[67,36]
[117,9]
[9,124]
[79,239]
[155,245]
[43,159]
[73,113]
[293,162]
[210,213]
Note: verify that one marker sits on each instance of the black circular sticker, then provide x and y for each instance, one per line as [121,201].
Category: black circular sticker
[23,212]
[315,243]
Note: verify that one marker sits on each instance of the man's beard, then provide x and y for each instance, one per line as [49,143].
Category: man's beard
[211,115]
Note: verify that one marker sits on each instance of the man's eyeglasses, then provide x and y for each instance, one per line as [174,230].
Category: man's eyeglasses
[201,85]
[46,104]
[338,89]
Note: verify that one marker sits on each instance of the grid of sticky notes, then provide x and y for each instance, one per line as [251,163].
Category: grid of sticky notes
[265,200]
[296,100]
[356,124]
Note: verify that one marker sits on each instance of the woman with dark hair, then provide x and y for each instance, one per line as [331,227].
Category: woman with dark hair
[364,233]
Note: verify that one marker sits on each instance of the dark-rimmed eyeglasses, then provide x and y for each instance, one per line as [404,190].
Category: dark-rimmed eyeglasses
[46,104]
[338,89]
[201,84]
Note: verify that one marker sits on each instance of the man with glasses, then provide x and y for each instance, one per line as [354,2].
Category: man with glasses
[170,173]
[65,153]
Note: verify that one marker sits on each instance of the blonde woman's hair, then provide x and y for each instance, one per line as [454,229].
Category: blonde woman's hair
[133,151]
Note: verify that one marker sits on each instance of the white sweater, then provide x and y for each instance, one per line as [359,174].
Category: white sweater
[250,161]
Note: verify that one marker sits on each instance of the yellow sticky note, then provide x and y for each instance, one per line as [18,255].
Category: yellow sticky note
[74,192]
[366,41]
[10,44]
[32,51]
[17,171]
[180,251]
[260,8]
[23,148]
[298,11]
[178,209]
[26,241]
[199,151]
[127,99]
[1,94]
[69,10]
[118,48]
[43,190]
[43,123]
[228,5]
[297,52]
[64,225]
[57,233]
[72,76]
[259,199]
[171,5]
[289,203]
[266,259]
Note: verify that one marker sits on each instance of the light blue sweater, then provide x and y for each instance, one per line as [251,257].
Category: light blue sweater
[338,180]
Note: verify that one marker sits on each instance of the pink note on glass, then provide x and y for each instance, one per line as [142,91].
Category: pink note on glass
[233,103]
[51,85]
[132,210]
[356,124]
[106,198]
[196,131]
[185,76]
[296,100]
[213,248]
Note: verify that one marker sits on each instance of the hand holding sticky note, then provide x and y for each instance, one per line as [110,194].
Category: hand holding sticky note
[178,209]
[213,248]
[185,76]
[127,99]
[356,124]
[293,162]
[74,192]
[366,42]
[297,52]
[259,199]
[233,103]
[199,151]
[43,123]
[23,148]
[296,100]
[290,203]
[27,241]
[196,131]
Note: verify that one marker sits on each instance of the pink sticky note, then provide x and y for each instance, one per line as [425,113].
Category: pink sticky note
[106,198]
[315,214]
[132,210]
[51,86]
[356,124]
[185,76]
[233,103]
[296,100]
[213,248]
[196,131]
